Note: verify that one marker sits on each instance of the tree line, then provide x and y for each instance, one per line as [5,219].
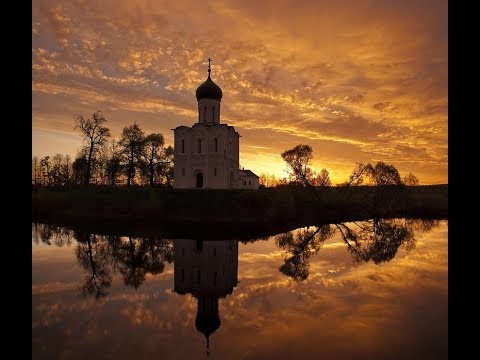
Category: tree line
[135,158]
[300,172]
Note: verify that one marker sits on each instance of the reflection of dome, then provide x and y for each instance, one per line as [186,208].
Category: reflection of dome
[207,326]
[209,90]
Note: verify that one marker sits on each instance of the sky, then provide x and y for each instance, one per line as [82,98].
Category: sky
[358,80]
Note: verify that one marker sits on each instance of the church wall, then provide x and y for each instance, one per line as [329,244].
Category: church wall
[216,163]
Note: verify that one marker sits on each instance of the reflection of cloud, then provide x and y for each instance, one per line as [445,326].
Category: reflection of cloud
[382,62]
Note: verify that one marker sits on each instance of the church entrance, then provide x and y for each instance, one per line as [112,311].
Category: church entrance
[200,180]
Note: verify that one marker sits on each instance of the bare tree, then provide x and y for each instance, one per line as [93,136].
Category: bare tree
[94,134]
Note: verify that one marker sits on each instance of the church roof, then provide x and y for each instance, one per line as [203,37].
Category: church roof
[209,90]
[247,173]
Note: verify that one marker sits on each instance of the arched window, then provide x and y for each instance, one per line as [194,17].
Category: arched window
[215,144]
[199,145]
[183,146]
[205,113]
[213,113]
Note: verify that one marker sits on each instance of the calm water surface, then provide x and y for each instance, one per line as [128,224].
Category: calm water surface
[366,290]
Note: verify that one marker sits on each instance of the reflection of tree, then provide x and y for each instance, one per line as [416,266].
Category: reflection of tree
[131,263]
[93,256]
[141,256]
[48,233]
[378,240]
[102,255]
[157,251]
[299,247]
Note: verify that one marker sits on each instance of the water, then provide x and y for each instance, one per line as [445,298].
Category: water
[307,294]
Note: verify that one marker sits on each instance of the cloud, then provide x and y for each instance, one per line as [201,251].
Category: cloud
[377,68]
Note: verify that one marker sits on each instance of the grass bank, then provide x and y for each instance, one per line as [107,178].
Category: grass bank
[144,210]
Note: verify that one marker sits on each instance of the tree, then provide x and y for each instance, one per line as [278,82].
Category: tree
[132,151]
[113,163]
[94,134]
[35,170]
[153,153]
[385,174]
[45,170]
[166,166]
[322,179]
[298,159]
[79,168]
[410,180]
[358,174]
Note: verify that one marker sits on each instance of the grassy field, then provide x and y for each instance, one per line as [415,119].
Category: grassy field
[145,210]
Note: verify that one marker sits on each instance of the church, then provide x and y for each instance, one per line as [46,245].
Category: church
[206,155]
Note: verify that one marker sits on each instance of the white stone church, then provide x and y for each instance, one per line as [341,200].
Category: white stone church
[207,154]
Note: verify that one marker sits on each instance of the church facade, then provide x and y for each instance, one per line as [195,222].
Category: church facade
[206,155]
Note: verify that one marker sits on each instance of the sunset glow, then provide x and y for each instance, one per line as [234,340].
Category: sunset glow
[359,81]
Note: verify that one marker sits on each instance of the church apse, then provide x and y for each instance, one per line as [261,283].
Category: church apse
[208,270]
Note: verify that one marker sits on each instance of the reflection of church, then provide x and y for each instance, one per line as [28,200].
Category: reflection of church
[208,270]
[206,155]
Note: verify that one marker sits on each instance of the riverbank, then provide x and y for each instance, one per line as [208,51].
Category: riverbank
[147,210]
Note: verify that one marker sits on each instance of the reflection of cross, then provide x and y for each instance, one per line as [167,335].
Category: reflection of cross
[209,60]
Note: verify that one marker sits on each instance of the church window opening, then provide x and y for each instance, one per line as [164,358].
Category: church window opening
[213,113]
[183,146]
[198,276]
[249,182]
[214,171]
[199,145]
[215,143]
[205,113]
[244,182]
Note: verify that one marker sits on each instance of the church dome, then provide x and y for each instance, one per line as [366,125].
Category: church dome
[209,90]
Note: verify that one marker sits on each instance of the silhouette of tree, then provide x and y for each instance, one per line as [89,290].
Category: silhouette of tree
[93,256]
[299,247]
[79,169]
[410,180]
[35,170]
[321,179]
[358,174]
[95,134]
[385,174]
[45,170]
[298,159]
[132,151]
[166,166]
[113,162]
[153,154]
